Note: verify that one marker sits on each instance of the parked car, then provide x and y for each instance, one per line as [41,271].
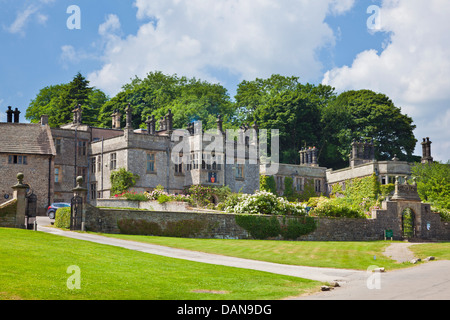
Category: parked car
[55,206]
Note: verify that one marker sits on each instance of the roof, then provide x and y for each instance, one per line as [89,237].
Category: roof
[25,138]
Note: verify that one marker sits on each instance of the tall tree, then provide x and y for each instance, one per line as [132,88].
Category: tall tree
[58,102]
[365,114]
[285,104]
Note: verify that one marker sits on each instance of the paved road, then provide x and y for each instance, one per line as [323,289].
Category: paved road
[426,281]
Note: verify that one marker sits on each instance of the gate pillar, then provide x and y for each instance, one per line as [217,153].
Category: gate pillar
[20,191]
[78,206]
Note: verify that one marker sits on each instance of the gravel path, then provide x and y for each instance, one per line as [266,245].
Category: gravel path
[399,252]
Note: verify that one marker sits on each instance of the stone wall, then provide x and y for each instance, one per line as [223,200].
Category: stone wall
[8,214]
[224,226]
[218,226]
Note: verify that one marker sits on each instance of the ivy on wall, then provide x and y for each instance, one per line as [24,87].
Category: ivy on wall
[264,227]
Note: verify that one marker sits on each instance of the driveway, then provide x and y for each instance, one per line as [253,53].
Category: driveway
[426,281]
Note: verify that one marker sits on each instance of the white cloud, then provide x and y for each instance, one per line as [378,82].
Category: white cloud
[248,39]
[412,69]
[111,25]
[22,19]
[25,15]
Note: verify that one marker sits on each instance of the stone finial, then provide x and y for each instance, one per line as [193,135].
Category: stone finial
[20,177]
[79,183]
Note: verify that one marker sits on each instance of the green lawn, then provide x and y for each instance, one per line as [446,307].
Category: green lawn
[33,266]
[344,255]
[440,251]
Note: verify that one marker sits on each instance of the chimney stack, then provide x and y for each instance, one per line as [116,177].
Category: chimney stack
[151,125]
[9,115]
[426,151]
[16,115]
[116,117]
[44,120]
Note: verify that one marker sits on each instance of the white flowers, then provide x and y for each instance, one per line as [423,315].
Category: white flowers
[263,202]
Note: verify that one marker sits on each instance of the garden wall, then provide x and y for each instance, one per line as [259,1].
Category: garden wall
[186,224]
[8,211]
[147,205]
[224,226]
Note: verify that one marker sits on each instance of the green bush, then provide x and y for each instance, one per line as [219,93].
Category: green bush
[264,202]
[259,227]
[263,227]
[122,180]
[294,228]
[267,183]
[163,198]
[387,189]
[336,208]
[62,218]
[180,229]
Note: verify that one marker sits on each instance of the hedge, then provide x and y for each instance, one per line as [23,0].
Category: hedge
[62,218]
[263,227]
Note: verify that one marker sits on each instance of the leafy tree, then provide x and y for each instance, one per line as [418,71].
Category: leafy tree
[58,102]
[285,104]
[189,100]
[433,183]
[366,114]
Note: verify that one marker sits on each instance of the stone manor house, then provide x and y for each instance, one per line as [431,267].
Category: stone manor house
[52,158]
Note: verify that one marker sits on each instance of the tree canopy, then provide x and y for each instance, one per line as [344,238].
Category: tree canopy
[189,100]
[307,115]
[58,101]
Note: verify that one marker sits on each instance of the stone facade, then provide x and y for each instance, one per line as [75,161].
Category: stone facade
[28,149]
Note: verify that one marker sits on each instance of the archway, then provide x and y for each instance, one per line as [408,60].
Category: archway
[408,223]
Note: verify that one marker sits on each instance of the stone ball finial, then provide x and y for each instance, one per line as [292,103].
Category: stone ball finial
[79,180]
[20,177]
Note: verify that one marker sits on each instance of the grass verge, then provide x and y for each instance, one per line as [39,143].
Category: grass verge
[34,266]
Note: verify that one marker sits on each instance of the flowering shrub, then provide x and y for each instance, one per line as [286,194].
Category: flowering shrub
[337,208]
[162,196]
[264,202]
[156,193]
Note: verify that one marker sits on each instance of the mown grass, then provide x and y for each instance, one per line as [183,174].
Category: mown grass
[343,255]
[33,266]
[440,251]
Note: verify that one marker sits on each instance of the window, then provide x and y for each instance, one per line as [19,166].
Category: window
[14,159]
[179,166]
[99,164]
[93,165]
[189,164]
[81,148]
[240,171]
[58,146]
[299,184]
[113,161]
[151,163]
[93,191]
[318,185]
[195,159]
[57,176]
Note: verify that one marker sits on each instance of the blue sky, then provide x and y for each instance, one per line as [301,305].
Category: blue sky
[322,41]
